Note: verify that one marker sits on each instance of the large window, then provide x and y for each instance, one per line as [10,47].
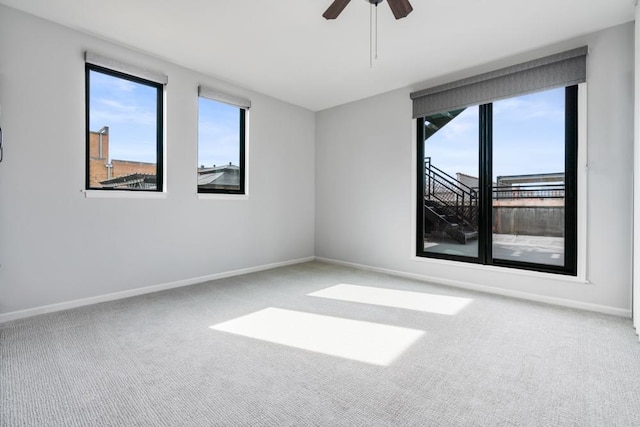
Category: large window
[221,143]
[499,182]
[124,131]
[497,166]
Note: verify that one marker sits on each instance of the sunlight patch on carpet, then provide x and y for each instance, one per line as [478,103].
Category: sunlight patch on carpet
[366,342]
[430,303]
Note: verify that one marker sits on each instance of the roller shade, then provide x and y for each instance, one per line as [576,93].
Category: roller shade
[132,70]
[217,95]
[559,70]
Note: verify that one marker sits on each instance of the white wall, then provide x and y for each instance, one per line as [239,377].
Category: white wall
[365,186]
[56,245]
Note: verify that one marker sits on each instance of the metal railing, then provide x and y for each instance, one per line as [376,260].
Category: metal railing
[453,197]
[529,191]
[460,201]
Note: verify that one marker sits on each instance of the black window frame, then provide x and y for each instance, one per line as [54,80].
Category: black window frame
[485,143]
[159,126]
[242,154]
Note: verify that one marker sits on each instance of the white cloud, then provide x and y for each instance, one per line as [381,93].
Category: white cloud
[542,106]
[110,112]
[112,83]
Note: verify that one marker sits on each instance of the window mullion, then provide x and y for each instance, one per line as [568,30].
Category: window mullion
[571,184]
[160,141]
[243,128]
[485,181]
[420,187]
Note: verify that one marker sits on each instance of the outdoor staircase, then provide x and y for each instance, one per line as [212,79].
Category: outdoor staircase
[451,225]
[450,206]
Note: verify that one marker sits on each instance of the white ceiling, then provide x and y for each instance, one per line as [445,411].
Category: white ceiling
[284,48]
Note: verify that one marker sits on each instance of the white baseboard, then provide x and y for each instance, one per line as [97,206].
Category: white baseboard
[489,289]
[14,315]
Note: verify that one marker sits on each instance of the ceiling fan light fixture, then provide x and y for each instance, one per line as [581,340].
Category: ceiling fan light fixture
[400,9]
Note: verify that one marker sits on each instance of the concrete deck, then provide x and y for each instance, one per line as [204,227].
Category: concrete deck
[536,249]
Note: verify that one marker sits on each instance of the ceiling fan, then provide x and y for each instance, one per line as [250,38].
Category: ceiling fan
[400,8]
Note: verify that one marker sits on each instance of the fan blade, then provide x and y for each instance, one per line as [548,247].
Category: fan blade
[335,9]
[400,8]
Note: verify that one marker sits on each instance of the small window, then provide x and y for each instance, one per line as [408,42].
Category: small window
[221,147]
[124,131]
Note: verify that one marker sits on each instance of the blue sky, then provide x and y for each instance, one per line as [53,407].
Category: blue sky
[528,130]
[218,133]
[528,137]
[129,109]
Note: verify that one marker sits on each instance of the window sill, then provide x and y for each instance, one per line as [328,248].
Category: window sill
[506,270]
[115,194]
[221,196]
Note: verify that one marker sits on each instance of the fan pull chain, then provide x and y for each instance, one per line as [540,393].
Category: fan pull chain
[373,39]
[371,35]
[376,57]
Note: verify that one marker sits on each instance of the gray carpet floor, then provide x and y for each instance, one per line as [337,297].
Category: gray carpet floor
[153,360]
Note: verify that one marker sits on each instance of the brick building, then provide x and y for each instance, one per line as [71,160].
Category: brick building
[127,174]
[114,173]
